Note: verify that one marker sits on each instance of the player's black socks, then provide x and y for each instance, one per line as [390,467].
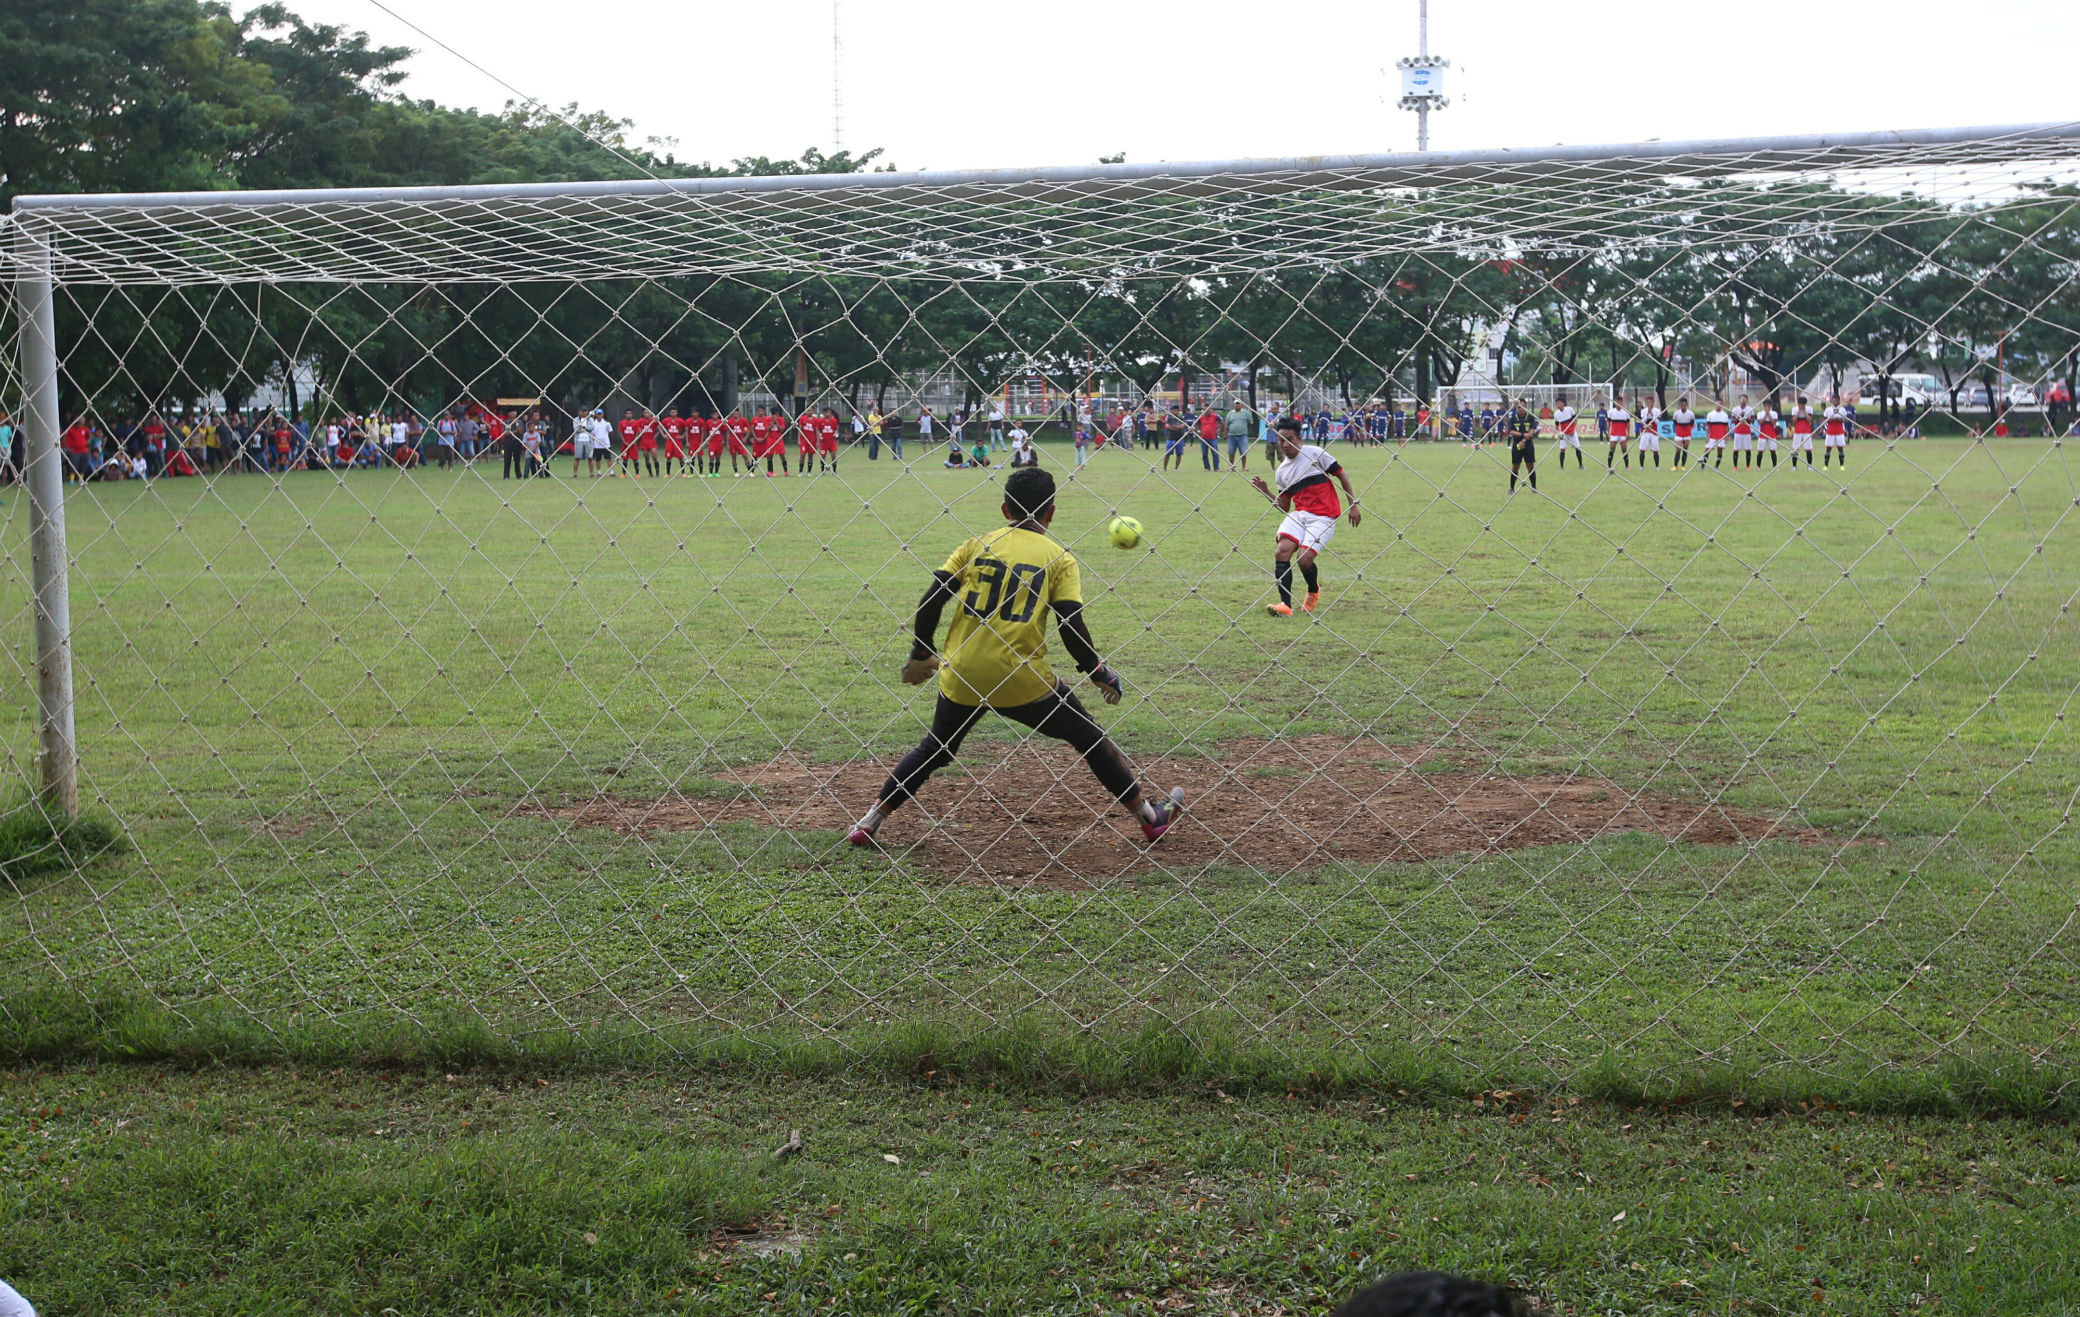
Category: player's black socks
[1282,572]
[1311,576]
[1610,460]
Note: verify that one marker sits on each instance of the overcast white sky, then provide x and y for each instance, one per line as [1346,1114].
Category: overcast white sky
[952,83]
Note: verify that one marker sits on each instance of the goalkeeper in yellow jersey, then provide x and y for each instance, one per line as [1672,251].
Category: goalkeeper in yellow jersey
[1003,586]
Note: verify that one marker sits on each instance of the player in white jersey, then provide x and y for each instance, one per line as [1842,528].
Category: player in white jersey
[1743,432]
[1767,424]
[1564,437]
[1835,442]
[1649,431]
[1716,423]
[1311,507]
[1620,434]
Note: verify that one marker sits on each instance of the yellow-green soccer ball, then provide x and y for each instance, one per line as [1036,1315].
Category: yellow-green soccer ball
[1125,532]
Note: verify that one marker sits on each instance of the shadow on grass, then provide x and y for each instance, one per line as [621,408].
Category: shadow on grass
[56,1026]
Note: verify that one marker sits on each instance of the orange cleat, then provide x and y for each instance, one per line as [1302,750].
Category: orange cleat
[1313,597]
[1279,610]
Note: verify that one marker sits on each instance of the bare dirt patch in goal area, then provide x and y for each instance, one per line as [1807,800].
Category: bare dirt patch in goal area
[1027,811]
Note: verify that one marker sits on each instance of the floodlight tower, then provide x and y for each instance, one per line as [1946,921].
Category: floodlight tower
[837,82]
[1422,78]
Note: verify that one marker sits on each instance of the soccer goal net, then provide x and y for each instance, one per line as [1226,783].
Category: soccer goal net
[490,608]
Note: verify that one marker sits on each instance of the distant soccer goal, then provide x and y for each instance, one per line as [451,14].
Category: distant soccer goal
[1543,400]
[625,607]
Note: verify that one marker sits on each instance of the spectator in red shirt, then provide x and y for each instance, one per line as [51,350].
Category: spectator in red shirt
[1209,440]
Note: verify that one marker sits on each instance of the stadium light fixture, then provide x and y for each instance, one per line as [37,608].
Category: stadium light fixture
[1422,78]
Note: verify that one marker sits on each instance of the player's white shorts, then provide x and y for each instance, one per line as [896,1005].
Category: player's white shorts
[1802,441]
[1567,441]
[581,450]
[1768,441]
[1838,441]
[1649,442]
[1742,442]
[1715,443]
[1310,530]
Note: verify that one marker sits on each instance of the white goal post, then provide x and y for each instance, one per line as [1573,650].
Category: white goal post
[400,736]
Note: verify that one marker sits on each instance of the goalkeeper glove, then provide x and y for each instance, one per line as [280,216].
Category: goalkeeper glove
[1108,683]
[918,671]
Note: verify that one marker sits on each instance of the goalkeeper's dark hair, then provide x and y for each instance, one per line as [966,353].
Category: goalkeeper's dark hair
[1435,1294]
[1289,425]
[1029,492]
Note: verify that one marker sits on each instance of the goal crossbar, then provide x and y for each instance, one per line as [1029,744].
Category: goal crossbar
[1702,158]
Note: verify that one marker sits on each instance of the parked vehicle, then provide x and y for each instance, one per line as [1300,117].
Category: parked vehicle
[1921,390]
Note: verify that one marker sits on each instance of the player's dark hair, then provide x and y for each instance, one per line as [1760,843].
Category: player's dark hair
[1288,424]
[1434,1294]
[1029,492]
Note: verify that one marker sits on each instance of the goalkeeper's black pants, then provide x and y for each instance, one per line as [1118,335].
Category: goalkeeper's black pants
[1060,715]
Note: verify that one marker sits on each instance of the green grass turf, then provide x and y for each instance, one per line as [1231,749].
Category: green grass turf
[139,1190]
[313,705]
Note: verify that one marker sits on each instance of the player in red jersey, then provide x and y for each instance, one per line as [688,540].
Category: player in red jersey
[739,442]
[772,442]
[629,431]
[717,432]
[675,430]
[646,442]
[805,441]
[827,437]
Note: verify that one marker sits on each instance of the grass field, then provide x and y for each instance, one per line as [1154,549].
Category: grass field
[345,722]
[336,716]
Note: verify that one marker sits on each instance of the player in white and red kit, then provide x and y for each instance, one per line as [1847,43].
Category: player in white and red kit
[1743,432]
[1716,425]
[1311,507]
[1801,432]
[1767,424]
[1834,441]
[1565,422]
[1620,422]
[1686,426]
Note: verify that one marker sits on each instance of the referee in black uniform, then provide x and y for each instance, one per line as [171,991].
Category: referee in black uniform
[1523,436]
